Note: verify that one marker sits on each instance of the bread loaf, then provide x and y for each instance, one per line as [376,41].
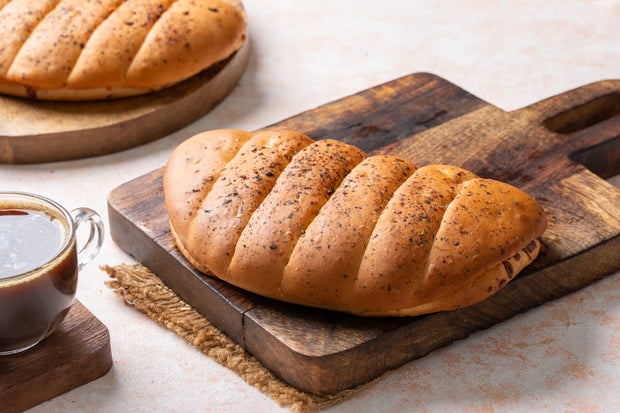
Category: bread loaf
[95,49]
[319,223]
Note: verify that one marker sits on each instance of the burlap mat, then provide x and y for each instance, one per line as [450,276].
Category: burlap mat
[142,289]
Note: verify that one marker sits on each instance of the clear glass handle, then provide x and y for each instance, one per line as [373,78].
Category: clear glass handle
[95,238]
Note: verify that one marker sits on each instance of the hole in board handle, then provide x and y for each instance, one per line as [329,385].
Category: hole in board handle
[583,116]
[602,159]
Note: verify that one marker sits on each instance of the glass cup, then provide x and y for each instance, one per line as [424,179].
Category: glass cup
[39,265]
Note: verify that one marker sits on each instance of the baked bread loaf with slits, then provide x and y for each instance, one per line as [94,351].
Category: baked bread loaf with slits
[319,223]
[96,49]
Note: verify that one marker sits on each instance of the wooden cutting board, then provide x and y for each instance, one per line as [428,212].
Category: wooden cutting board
[75,354]
[559,150]
[42,131]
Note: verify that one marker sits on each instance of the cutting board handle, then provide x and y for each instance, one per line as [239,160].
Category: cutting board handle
[580,108]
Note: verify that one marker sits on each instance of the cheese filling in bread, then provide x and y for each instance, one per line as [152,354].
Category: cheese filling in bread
[320,223]
[94,49]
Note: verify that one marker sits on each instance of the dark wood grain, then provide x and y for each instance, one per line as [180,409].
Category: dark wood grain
[550,149]
[46,131]
[75,354]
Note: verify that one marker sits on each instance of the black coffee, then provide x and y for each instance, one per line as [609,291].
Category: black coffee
[28,239]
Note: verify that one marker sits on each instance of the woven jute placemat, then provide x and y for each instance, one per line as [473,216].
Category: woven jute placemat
[143,290]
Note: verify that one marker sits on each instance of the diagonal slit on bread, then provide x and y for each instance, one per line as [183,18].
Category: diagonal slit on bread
[320,223]
[94,49]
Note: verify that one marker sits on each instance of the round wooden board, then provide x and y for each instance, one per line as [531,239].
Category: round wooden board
[34,131]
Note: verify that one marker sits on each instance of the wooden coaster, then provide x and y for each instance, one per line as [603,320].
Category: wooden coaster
[75,354]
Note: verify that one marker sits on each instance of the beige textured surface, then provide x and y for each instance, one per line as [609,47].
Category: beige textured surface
[562,356]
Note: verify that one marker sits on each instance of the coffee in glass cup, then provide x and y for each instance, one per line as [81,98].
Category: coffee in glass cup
[39,265]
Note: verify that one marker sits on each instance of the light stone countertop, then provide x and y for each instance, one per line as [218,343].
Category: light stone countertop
[561,356]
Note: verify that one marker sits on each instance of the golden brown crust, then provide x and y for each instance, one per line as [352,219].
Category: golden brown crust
[17,21]
[326,259]
[191,35]
[47,56]
[192,171]
[473,291]
[335,229]
[304,186]
[78,49]
[486,222]
[115,43]
[241,187]
[406,232]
